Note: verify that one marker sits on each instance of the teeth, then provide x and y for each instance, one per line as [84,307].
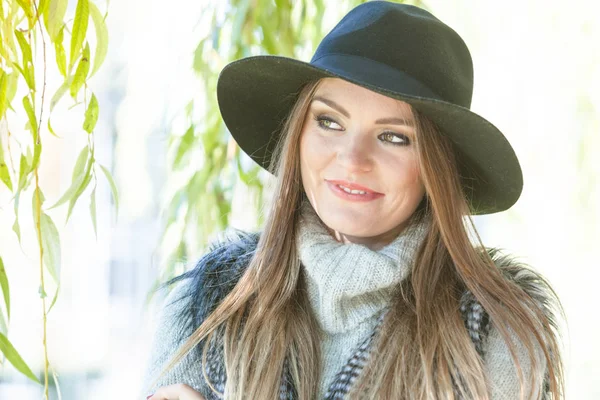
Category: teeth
[345,189]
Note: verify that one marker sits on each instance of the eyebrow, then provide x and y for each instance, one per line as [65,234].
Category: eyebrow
[391,120]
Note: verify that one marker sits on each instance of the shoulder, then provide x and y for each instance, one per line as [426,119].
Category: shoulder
[525,277]
[531,281]
[192,296]
[214,275]
[502,370]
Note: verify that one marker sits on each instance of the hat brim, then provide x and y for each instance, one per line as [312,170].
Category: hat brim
[255,95]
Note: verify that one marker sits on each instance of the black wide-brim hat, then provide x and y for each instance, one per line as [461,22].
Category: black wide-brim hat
[397,50]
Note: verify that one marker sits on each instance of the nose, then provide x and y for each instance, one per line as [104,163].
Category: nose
[354,154]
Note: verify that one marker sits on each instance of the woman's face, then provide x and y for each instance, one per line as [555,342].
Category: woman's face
[359,162]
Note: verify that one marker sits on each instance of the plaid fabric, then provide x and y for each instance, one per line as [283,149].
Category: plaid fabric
[475,318]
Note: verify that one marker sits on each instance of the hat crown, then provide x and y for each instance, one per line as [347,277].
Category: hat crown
[407,39]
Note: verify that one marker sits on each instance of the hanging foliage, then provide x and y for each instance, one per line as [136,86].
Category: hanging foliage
[38,37]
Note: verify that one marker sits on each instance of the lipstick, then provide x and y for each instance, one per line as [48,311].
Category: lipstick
[352,191]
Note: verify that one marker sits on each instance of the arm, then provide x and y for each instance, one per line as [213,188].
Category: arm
[168,336]
[502,371]
[213,277]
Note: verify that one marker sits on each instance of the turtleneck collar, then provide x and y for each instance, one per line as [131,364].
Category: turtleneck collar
[349,283]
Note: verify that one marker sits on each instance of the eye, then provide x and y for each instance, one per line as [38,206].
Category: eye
[327,123]
[397,139]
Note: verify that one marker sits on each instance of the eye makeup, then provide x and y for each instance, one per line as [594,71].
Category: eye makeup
[388,137]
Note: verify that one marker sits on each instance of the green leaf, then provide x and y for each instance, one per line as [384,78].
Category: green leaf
[93,212]
[15,359]
[113,187]
[54,298]
[199,63]
[34,203]
[51,245]
[59,50]
[11,88]
[3,94]
[80,190]
[27,6]
[17,229]
[86,180]
[29,156]
[184,145]
[42,7]
[101,37]
[53,18]
[23,171]
[37,152]
[78,176]
[91,115]
[37,145]
[60,92]
[74,105]
[1,151]
[81,73]
[82,160]
[80,24]
[5,175]
[52,130]
[5,287]
[28,75]
[8,26]
[25,48]
[3,323]
[31,116]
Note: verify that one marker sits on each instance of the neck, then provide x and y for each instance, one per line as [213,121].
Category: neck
[349,283]
[371,242]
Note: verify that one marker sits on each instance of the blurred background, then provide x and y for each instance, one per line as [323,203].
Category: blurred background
[181,179]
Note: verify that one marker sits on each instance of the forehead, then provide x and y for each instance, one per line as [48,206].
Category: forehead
[351,95]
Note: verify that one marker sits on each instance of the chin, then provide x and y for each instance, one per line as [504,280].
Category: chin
[353,229]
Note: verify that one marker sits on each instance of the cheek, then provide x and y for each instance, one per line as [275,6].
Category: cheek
[405,177]
[413,175]
[307,163]
[315,154]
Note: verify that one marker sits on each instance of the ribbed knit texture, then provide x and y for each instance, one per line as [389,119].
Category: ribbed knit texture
[349,285]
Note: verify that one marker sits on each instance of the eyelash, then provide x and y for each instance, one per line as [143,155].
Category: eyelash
[406,140]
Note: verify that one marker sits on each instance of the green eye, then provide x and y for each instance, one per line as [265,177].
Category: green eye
[397,139]
[326,123]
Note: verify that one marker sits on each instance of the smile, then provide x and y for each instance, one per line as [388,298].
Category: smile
[352,192]
[347,190]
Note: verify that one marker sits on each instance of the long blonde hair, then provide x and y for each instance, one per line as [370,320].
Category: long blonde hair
[423,350]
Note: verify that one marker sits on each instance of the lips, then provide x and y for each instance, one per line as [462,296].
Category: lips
[352,191]
[353,186]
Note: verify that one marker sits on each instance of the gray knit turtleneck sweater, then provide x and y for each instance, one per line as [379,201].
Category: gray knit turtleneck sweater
[349,286]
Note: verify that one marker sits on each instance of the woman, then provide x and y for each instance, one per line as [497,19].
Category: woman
[364,282]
